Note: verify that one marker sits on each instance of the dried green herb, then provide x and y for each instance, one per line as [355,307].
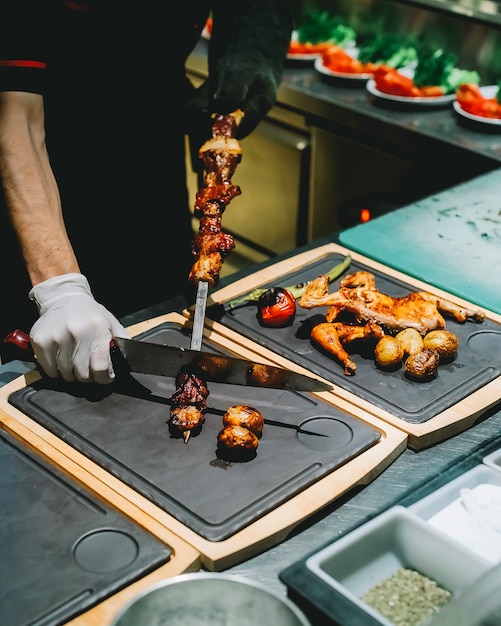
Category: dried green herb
[407,598]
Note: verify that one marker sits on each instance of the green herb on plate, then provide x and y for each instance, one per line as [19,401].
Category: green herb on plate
[322,27]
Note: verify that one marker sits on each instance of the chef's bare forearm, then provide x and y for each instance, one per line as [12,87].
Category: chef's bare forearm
[30,188]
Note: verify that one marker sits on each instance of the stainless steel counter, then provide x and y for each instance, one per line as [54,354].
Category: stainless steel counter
[349,109]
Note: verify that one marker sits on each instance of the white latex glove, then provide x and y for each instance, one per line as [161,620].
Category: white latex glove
[73,334]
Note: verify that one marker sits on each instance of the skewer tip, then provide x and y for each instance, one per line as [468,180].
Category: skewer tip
[186,435]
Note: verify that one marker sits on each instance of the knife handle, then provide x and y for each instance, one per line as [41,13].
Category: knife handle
[21,340]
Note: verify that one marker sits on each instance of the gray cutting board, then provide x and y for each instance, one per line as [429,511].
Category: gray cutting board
[451,240]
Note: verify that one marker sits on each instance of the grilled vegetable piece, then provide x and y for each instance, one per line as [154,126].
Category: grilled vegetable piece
[388,352]
[444,342]
[410,340]
[422,365]
[276,307]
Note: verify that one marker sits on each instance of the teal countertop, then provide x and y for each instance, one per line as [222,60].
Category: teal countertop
[451,240]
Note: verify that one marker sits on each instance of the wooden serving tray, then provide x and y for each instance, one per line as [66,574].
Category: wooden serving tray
[262,533]
[428,412]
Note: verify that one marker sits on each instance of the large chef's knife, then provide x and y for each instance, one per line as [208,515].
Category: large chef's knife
[144,357]
[162,360]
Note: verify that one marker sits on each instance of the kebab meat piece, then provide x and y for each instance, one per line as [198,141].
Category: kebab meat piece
[220,156]
[188,402]
[244,416]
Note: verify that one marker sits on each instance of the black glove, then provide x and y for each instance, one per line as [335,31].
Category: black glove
[248,47]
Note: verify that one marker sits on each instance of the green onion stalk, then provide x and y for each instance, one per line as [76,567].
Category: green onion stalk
[296,290]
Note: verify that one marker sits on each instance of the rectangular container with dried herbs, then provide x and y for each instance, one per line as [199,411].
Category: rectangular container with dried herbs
[396,568]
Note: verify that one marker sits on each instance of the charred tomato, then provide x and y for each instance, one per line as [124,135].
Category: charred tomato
[276,307]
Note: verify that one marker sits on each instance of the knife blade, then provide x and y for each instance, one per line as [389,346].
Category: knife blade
[199,315]
[162,360]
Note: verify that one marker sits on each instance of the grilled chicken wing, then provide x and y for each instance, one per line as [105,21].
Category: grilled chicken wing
[325,334]
[359,297]
[332,336]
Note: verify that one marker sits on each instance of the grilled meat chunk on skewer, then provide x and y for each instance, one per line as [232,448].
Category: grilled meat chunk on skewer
[186,418]
[237,444]
[220,156]
[246,417]
[235,437]
[211,246]
[189,402]
[242,428]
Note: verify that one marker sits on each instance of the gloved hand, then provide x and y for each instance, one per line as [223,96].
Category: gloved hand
[247,52]
[72,336]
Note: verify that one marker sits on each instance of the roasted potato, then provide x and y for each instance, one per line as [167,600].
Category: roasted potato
[410,340]
[388,352]
[443,341]
[422,365]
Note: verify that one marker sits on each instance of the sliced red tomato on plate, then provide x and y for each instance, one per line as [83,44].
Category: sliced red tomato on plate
[391,81]
[471,100]
[296,47]
[394,83]
[337,59]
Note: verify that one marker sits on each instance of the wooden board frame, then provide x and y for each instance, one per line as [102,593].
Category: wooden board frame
[446,424]
[267,531]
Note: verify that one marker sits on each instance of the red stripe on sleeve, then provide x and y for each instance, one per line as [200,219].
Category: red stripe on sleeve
[76,6]
[23,63]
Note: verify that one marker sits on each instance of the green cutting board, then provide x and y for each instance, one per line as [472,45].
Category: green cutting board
[451,240]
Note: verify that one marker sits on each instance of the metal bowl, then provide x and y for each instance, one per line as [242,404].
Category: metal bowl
[209,599]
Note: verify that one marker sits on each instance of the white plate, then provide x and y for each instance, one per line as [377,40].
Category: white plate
[312,56]
[319,66]
[489,91]
[430,101]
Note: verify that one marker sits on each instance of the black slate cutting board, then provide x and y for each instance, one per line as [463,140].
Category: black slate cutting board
[62,550]
[124,429]
[478,360]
